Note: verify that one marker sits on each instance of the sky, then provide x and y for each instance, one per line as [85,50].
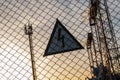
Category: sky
[15,63]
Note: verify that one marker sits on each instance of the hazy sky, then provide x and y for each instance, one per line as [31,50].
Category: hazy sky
[15,61]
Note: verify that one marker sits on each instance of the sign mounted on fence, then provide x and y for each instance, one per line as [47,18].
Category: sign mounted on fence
[61,40]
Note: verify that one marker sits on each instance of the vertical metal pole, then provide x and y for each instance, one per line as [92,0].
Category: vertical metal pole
[28,31]
[32,58]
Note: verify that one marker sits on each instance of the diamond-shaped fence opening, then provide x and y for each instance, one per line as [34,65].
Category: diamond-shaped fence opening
[15,58]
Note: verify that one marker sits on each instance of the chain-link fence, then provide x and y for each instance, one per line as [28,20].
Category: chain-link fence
[15,60]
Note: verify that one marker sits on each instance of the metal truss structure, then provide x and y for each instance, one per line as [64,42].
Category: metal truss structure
[103,47]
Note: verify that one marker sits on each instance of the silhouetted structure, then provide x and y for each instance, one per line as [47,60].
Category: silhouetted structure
[29,32]
[102,47]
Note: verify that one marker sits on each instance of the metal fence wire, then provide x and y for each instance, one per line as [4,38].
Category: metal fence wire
[15,58]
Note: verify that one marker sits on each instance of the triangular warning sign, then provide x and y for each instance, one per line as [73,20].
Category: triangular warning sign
[61,40]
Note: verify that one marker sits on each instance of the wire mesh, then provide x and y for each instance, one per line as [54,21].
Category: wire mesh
[15,63]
